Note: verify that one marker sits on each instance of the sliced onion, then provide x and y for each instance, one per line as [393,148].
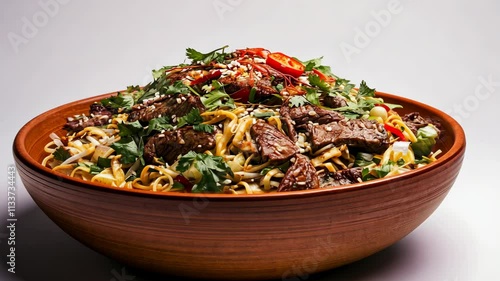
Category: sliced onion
[401,146]
[58,142]
[133,168]
[93,140]
[54,136]
[101,151]
[75,157]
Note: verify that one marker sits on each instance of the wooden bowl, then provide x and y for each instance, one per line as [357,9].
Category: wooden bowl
[228,237]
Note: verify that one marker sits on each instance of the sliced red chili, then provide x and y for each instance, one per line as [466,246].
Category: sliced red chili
[210,76]
[241,95]
[188,186]
[285,64]
[260,52]
[323,76]
[395,131]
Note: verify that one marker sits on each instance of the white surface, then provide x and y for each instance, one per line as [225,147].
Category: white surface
[437,52]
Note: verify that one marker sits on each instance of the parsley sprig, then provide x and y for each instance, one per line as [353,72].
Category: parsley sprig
[205,59]
[212,168]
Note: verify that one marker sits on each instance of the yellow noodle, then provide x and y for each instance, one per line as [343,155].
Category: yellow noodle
[266,180]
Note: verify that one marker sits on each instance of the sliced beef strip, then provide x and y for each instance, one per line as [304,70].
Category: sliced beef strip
[365,134]
[99,116]
[174,106]
[296,118]
[170,144]
[301,175]
[334,102]
[342,177]
[263,86]
[287,120]
[272,143]
[415,121]
[303,115]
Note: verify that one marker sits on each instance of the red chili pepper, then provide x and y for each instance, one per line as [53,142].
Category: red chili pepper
[323,76]
[188,186]
[241,95]
[395,131]
[384,106]
[285,64]
[210,76]
[261,52]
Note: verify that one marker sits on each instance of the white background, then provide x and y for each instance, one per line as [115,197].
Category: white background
[437,52]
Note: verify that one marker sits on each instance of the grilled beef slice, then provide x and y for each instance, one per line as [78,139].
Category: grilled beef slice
[263,86]
[334,102]
[348,176]
[296,118]
[170,144]
[99,116]
[415,121]
[365,134]
[272,144]
[303,115]
[173,106]
[301,175]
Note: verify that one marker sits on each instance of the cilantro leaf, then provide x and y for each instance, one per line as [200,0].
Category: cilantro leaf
[365,91]
[312,96]
[103,162]
[315,80]
[312,63]
[159,124]
[192,118]
[163,86]
[195,119]
[377,172]
[342,87]
[297,101]
[326,70]
[383,170]
[197,56]
[216,99]
[119,101]
[212,168]
[95,169]
[61,154]
[130,129]
[204,128]
[356,109]
[128,149]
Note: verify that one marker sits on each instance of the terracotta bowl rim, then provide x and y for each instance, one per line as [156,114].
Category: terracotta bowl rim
[21,155]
